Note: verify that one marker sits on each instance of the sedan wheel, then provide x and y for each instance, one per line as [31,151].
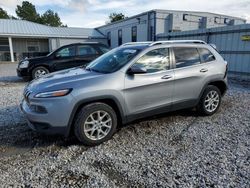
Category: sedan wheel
[39,72]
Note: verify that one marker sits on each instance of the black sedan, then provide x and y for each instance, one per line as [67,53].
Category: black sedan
[73,55]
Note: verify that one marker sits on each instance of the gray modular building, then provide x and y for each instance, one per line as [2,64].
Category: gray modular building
[20,38]
[233,43]
[146,26]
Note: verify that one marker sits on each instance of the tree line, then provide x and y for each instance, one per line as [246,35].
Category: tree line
[27,11]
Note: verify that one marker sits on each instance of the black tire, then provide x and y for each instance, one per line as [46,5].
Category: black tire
[41,68]
[201,106]
[82,116]
[27,79]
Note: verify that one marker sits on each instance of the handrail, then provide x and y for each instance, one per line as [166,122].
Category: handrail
[178,41]
[132,43]
[150,43]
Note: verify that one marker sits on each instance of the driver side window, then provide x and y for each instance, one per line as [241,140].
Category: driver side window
[155,60]
[67,52]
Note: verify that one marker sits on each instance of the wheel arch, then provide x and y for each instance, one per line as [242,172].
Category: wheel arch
[109,100]
[220,84]
[39,65]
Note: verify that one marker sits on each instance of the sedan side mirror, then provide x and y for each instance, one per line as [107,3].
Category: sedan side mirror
[136,70]
[57,56]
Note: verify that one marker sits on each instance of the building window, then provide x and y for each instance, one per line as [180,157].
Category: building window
[33,46]
[109,38]
[216,20]
[134,34]
[4,45]
[184,18]
[119,37]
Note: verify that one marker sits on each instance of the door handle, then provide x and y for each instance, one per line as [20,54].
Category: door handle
[166,77]
[204,70]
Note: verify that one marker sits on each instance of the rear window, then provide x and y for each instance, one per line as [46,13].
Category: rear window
[185,56]
[206,55]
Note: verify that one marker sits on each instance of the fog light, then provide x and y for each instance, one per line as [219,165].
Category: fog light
[38,109]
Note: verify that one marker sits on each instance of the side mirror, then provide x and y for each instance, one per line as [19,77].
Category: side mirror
[57,56]
[136,70]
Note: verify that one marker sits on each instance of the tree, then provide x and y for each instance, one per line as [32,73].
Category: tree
[27,11]
[51,18]
[113,17]
[3,14]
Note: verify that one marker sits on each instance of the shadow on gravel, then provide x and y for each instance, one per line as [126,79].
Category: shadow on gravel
[11,79]
[19,139]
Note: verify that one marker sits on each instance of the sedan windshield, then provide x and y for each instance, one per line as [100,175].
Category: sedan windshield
[113,60]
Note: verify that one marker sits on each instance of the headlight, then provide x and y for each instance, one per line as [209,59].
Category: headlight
[58,93]
[24,64]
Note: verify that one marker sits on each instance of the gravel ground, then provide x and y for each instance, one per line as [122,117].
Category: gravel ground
[177,149]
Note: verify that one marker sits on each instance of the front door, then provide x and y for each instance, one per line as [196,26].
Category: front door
[65,58]
[151,92]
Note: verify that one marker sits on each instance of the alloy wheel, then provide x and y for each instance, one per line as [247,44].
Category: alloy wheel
[97,125]
[212,101]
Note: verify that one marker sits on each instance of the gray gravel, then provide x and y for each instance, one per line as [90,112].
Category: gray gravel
[177,149]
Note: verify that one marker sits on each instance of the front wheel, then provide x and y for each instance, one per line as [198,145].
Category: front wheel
[95,123]
[210,100]
[39,72]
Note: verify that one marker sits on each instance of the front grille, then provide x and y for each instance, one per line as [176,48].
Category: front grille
[26,95]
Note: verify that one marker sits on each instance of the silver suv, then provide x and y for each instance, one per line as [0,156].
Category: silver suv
[130,82]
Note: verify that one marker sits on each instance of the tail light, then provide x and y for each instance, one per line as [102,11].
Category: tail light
[226,69]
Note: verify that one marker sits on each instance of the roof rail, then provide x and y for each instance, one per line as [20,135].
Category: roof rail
[132,43]
[178,41]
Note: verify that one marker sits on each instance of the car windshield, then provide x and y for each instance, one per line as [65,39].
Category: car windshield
[113,60]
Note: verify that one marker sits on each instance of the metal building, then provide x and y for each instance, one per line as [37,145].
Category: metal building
[233,43]
[20,38]
[146,26]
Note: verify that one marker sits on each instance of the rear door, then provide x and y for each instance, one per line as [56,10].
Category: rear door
[190,75]
[65,58]
[85,54]
[150,92]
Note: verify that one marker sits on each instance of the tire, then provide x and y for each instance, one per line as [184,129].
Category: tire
[84,125]
[209,108]
[42,70]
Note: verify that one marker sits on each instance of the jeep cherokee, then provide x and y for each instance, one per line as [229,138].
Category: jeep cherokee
[133,81]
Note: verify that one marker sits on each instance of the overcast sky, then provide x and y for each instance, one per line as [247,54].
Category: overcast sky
[92,13]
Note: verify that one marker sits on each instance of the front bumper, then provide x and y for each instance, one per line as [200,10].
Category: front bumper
[56,118]
[22,72]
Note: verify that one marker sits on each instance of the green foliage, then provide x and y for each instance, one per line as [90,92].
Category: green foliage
[27,11]
[51,18]
[3,14]
[113,17]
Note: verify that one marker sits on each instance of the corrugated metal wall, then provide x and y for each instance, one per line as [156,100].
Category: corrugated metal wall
[228,40]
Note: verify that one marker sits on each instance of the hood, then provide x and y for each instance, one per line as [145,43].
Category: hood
[33,59]
[63,79]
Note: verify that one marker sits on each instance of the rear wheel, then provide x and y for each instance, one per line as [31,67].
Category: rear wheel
[210,100]
[39,72]
[95,123]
